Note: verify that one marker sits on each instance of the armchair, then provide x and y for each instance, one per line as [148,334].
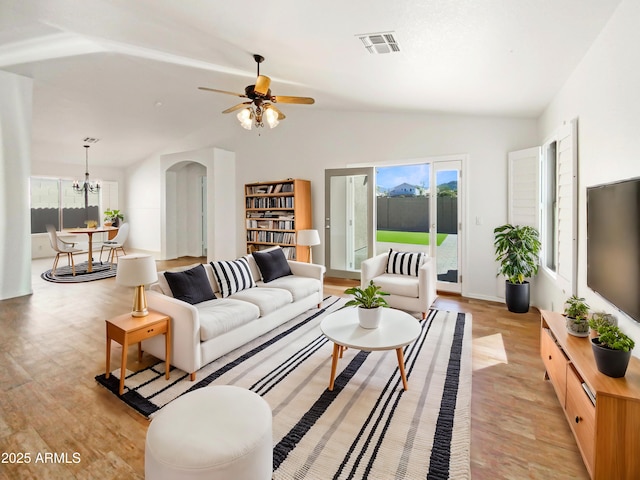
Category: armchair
[407,292]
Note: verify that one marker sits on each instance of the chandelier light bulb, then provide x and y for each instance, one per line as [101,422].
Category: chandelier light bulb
[272,117]
[245,117]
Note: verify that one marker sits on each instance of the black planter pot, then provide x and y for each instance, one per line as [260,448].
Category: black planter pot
[612,363]
[516,296]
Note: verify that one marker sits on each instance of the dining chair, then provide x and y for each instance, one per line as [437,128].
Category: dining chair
[117,243]
[62,248]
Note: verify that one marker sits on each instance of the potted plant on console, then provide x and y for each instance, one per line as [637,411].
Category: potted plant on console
[517,249]
[611,349]
[113,217]
[577,313]
[369,301]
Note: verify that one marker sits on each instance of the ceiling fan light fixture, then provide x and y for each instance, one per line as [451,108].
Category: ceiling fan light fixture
[272,117]
[245,117]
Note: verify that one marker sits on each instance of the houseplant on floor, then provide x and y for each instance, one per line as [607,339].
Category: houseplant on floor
[577,313]
[517,250]
[611,349]
[369,301]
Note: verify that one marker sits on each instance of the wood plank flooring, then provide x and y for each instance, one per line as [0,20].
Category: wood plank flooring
[52,344]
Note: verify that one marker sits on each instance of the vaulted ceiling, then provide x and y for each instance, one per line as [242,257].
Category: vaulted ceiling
[128,71]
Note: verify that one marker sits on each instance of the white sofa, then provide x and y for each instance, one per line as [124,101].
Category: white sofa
[406,292]
[202,332]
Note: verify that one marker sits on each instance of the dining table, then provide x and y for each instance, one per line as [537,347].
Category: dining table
[90,232]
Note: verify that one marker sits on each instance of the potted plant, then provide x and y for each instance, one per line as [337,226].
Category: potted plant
[577,313]
[113,217]
[369,301]
[517,250]
[600,319]
[612,350]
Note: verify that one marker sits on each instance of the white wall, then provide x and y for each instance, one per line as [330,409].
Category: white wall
[311,140]
[604,94]
[15,166]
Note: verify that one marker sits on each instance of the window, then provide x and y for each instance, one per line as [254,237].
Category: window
[54,202]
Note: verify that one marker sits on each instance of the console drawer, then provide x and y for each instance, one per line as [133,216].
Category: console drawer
[555,362]
[581,414]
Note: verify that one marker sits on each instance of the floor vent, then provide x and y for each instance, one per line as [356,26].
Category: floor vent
[378,43]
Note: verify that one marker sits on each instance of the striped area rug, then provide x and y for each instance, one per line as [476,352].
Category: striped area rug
[65,274]
[368,426]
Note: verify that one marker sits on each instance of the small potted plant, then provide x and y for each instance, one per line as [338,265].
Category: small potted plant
[112,217]
[612,350]
[369,301]
[517,249]
[600,319]
[577,313]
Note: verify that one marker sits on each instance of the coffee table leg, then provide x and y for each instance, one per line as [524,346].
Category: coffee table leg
[334,364]
[401,366]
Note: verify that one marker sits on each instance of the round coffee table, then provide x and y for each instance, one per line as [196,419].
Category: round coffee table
[396,330]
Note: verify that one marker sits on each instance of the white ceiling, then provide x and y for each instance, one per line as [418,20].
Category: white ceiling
[101,67]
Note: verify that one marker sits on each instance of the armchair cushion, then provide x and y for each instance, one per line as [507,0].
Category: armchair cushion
[404,263]
[403,285]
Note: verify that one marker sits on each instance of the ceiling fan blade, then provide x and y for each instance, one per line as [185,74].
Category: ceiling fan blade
[286,99]
[223,91]
[281,116]
[236,107]
[262,85]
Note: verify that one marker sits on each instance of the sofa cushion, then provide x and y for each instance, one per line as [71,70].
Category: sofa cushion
[267,299]
[223,315]
[191,286]
[404,263]
[233,276]
[404,285]
[299,287]
[162,286]
[272,264]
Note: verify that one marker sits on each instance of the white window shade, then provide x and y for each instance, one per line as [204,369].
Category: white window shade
[524,187]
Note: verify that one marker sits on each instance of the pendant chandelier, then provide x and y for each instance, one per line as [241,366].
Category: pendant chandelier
[87,186]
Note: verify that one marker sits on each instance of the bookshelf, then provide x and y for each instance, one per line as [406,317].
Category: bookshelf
[274,212]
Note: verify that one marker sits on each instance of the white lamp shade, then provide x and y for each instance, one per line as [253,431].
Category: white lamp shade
[136,270]
[308,237]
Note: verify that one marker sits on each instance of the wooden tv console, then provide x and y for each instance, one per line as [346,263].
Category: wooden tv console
[607,428]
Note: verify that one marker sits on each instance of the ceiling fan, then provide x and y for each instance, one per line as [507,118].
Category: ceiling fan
[261,101]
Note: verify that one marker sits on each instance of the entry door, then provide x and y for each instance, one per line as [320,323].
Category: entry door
[445,237]
[349,213]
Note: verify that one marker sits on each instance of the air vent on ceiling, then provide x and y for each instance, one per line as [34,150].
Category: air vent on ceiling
[91,140]
[378,43]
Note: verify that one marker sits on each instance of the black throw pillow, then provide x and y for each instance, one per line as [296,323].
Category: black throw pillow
[272,264]
[191,286]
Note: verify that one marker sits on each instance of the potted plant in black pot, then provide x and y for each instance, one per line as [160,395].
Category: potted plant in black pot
[517,250]
[611,350]
[369,301]
[577,312]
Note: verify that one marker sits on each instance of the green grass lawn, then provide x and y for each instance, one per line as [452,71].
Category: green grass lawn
[412,238]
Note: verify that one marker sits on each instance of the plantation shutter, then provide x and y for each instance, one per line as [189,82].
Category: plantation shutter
[566,198]
[524,187]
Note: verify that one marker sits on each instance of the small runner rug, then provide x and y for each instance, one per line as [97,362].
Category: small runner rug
[65,274]
[368,426]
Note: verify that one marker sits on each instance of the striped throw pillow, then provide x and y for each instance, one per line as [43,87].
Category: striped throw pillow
[233,276]
[404,263]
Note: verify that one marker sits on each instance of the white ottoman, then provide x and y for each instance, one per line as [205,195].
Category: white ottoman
[220,433]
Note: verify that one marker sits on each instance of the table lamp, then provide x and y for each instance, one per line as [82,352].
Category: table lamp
[308,238]
[137,271]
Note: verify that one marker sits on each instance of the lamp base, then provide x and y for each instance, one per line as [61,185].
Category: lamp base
[139,303]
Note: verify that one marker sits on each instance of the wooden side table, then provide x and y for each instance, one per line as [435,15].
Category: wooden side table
[127,330]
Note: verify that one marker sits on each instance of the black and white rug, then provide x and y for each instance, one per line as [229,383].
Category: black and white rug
[368,426]
[65,274]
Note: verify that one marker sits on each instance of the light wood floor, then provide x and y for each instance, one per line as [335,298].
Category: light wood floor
[52,344]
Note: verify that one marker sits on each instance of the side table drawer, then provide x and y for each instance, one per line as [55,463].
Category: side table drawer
[581,414]
[147,332]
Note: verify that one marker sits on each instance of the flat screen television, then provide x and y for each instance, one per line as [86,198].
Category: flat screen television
[613,244]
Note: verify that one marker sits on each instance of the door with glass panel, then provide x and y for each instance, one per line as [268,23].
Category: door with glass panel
[349,213]
[446,224]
